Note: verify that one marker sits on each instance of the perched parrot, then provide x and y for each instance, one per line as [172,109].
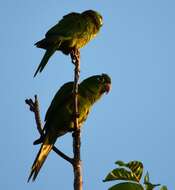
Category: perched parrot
[72,32]
[59,116]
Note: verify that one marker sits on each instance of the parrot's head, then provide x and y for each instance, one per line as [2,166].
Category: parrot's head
[97,84]
[96,17]
[105,83]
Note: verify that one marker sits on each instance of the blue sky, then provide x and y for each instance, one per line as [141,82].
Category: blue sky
[133,122]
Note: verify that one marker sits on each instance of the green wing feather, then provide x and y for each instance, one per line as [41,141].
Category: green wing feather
[70,26]
[60,99]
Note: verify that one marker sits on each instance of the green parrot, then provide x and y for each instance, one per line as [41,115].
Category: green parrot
[59,116]
[72,32]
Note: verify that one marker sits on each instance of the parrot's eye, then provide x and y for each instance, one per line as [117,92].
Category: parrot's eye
[101,79]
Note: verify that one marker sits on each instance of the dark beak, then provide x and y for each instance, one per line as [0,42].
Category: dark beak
[108,87]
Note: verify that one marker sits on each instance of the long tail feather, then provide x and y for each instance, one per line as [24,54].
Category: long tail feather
[45,60]
[46,147]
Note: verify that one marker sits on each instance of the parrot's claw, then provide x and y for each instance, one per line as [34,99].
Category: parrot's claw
[75,55]
[77,115]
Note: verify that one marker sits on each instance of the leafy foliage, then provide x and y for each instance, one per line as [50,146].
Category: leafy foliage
[127,186]
[164,188]
[136,168]
[128,171]
[120,174]
[148,184]
[131,172]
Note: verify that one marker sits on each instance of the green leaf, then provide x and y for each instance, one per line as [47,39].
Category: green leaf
[121,174]
[148,184]
[146,178]
[120,163]
[135,166]
[127,186]
[164,188]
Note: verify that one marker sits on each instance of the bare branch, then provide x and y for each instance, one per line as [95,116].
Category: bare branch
[34,107]
[64,156]
[75,55]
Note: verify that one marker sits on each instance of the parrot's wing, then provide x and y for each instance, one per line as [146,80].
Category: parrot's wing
[62,96]
[70,26]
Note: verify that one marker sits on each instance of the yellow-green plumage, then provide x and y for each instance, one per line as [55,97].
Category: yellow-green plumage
[74,31]
[59,117]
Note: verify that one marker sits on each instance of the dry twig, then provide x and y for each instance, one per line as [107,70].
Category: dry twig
[75,55]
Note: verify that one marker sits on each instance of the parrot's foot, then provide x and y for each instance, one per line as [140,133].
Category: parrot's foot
[75,115]
[75,56]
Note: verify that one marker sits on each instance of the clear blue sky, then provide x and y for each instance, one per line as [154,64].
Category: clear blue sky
[135,121]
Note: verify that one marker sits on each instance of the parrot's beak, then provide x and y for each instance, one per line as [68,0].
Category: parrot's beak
[108,87]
